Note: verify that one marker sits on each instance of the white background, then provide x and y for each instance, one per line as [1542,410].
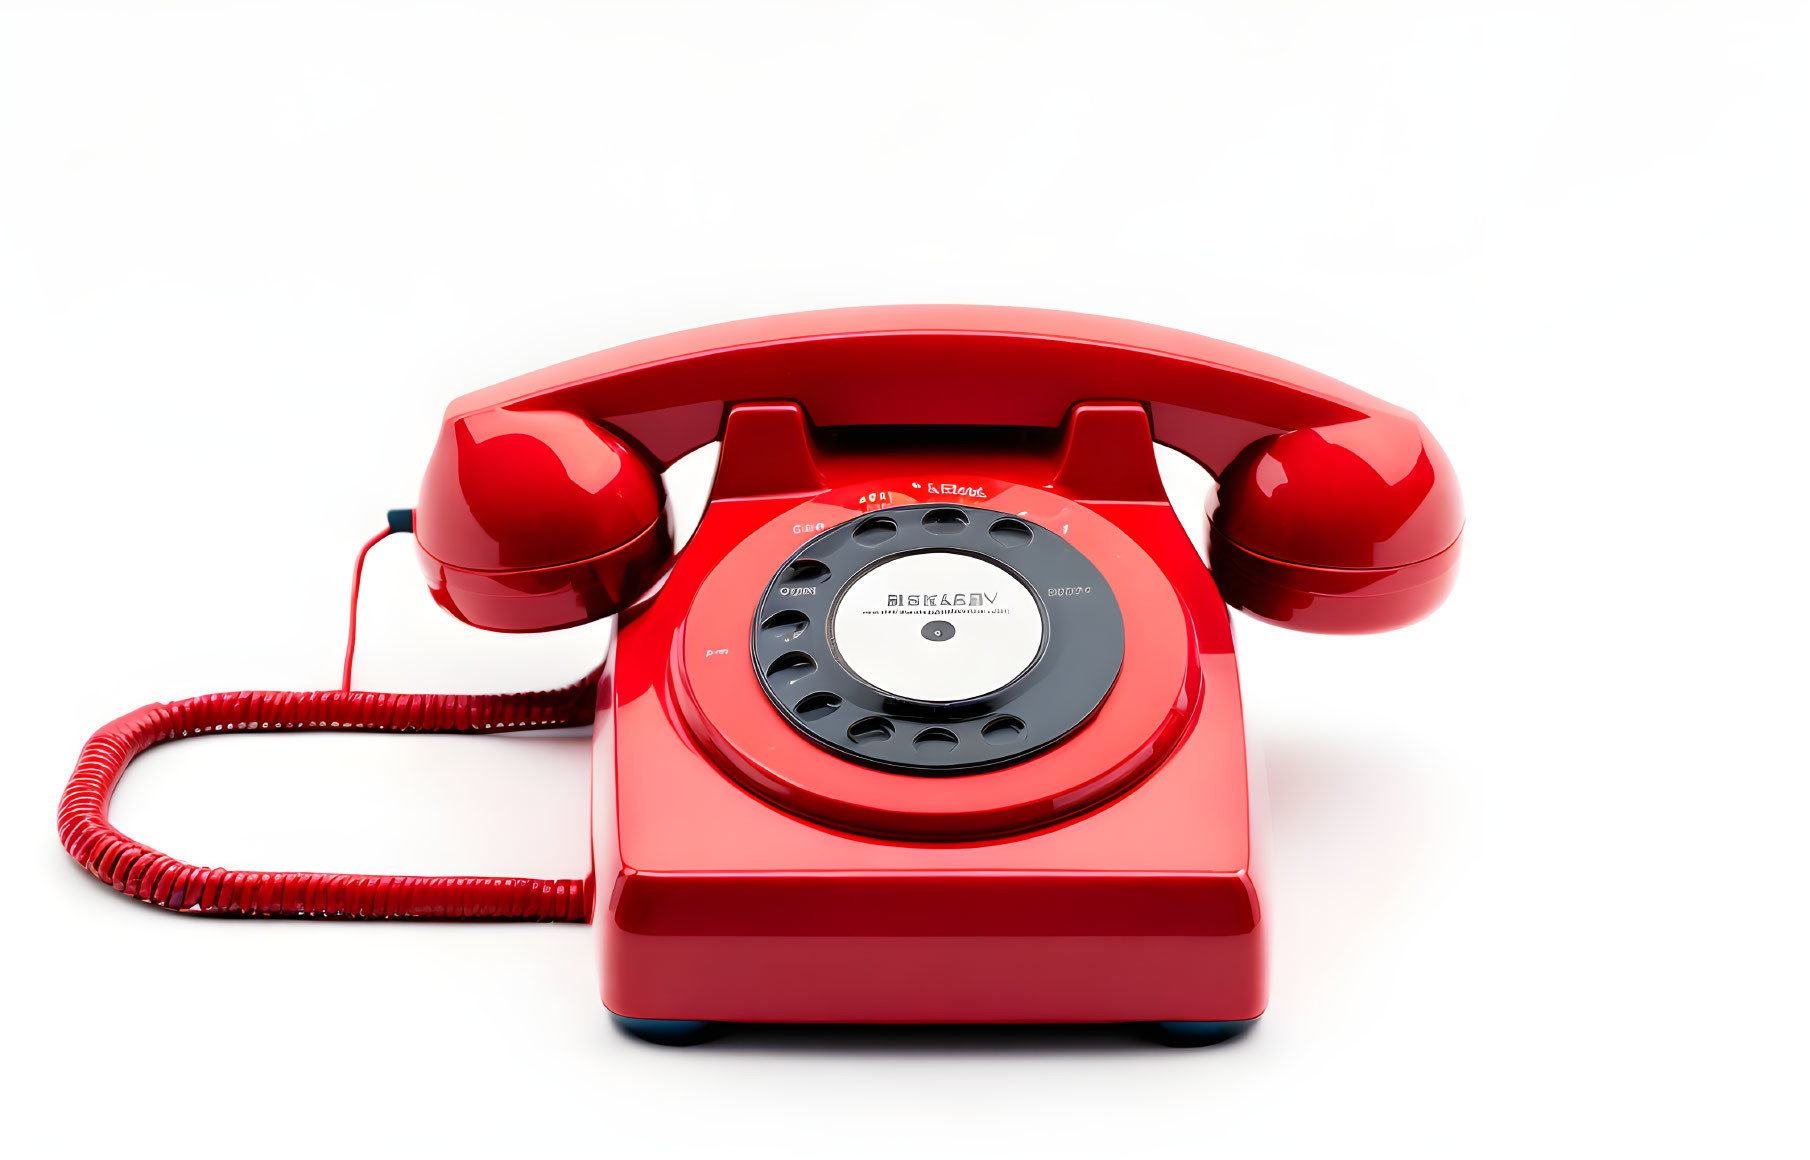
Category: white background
[1538,880]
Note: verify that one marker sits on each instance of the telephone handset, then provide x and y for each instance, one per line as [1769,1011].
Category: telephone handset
[542,504]
[936,717]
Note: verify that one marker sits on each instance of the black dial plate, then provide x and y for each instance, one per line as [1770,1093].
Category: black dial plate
[1062,673]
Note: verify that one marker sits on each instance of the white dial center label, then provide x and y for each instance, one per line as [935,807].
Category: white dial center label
[937,626]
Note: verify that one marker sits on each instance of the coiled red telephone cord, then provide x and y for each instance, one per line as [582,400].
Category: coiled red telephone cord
[145,873]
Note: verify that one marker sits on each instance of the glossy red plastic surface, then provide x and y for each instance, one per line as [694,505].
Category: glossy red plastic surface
[560,596]
[538,520]
[1315,474]
[1130,895]
[509,491]
[1333,600]
[1367,494]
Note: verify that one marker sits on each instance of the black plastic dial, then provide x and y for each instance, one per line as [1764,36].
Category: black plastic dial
[806,677]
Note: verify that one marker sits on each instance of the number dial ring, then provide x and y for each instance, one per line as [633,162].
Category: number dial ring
[1063,652]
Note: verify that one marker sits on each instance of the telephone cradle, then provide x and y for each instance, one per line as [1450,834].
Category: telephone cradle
[936,716]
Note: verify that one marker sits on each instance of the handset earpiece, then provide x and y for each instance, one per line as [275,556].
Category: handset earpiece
[1345,528]
[538,519]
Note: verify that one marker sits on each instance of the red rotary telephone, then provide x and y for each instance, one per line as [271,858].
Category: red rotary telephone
[936,718]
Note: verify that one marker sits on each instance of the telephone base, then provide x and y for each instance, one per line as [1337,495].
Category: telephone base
[747,874]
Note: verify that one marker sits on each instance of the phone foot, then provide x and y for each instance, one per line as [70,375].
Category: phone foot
[669,1032]
[1196,1033]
